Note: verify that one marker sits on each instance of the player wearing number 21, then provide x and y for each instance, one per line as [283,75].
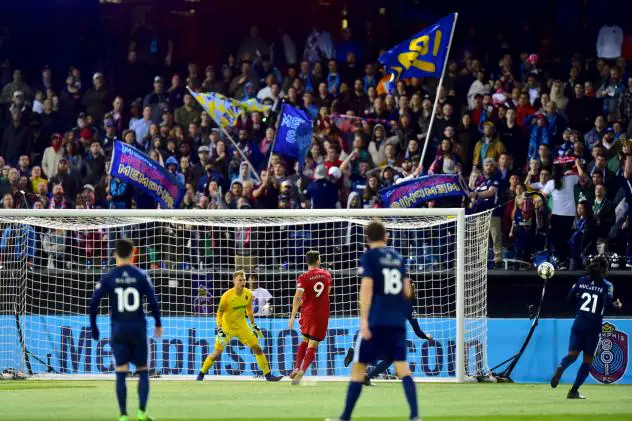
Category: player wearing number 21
[384,301]
[126,285]
[234,306]
[312,291]
[591,295]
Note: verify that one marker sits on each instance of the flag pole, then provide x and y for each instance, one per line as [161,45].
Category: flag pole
[237,148]
[276,133]
[436,101]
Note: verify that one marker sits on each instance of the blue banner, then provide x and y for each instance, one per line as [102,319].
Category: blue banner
[412,193]
[422,55]
[294,136]
[134,167]
[65,342]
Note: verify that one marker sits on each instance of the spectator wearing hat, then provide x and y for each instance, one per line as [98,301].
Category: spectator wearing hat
[109,137]
[157,100]
[16,138]
[175,93]
[322,192]
[187,114]
[52,156]
[69,101]
[96,98]
[17,84]
[94,164]
[489,146]
[538,134]
[70,182]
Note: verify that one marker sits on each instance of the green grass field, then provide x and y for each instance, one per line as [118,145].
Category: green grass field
[184,400]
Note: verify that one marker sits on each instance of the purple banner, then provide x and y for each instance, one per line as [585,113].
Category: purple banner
[412,193]
[134,167]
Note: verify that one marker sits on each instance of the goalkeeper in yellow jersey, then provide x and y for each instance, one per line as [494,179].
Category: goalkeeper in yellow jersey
[234,305]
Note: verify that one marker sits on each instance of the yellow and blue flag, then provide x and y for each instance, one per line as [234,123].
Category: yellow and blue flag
[225,111]
[422,55]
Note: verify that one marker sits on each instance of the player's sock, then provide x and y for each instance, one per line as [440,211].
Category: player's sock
[379,369]
[208,363]
[121,392]
[411,395]
[143,389]
[300,354]
[353,393]
[567,361]
[309,357]
[582,374]
[262,362]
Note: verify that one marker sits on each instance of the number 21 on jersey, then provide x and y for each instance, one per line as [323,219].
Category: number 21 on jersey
[392,281]
[590,302]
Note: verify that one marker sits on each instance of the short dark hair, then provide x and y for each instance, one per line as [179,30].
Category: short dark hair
[312,257]
[376,231]
[124,248]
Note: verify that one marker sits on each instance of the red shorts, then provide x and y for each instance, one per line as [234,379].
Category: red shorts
[314,327]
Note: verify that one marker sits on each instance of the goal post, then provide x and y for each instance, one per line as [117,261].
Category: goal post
[51,259]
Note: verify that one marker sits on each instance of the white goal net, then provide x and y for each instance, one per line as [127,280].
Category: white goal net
[50,261]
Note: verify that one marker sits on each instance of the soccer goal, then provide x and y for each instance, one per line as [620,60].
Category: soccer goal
[50,261]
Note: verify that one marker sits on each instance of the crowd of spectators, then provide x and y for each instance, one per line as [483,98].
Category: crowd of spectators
[508,124]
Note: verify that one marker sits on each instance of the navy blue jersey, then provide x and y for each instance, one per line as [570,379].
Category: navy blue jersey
[591,298]
[126,286]
[389,304]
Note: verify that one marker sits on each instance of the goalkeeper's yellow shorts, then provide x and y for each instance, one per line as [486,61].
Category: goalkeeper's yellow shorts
[243,334]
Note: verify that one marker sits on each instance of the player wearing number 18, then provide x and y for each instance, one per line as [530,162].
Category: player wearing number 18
[591,295]
[312,293]
[384,301]
[126,285]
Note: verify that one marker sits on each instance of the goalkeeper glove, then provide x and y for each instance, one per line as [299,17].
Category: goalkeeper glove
[257,331]
[221,337]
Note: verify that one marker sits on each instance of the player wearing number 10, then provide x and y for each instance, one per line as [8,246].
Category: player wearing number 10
[384,301]
[313,288]
[126,285]
[591,295]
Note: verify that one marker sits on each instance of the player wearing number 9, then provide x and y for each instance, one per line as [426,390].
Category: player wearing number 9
[591,295]
[312,294]
[126,285]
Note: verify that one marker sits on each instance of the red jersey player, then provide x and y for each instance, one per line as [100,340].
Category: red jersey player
[313,287]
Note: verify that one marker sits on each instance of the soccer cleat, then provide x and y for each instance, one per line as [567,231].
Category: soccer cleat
[574,395]
[367,381]
[123,418]
[200,376]
[297,379]
[142,416]
[272,378]
[555,380]
[293,374]
[348,357]
[415,419]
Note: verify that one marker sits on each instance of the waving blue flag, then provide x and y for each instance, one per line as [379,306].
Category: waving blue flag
[422,55]
[294,136]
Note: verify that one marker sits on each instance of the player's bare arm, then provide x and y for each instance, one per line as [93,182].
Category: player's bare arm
[298,295]
[366,295]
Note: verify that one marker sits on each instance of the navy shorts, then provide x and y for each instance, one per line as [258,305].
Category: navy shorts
[129,345]
[584,340]
[386,343]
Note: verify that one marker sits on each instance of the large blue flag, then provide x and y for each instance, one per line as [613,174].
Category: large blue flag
[422,55]
[412,193]
[134,167]
[294,136]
